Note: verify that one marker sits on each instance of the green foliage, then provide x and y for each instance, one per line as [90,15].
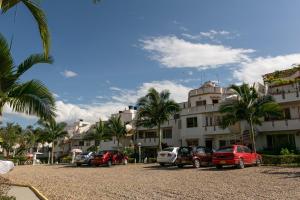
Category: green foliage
[93,148]
[66,159]
[30,97]
[281,159]
[7,197]
[154,109]
[128,151]
[286,151]
[116,127]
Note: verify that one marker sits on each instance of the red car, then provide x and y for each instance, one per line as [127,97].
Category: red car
[109,158]
[237,155]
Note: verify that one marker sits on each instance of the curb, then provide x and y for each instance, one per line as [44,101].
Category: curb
[33,189]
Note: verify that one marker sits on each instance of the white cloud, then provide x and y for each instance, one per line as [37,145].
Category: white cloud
[212,35]
[115,88]
[55,95]
[252,71]
[69,74]
[174,52]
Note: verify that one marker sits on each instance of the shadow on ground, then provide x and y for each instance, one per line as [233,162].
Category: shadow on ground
[284,174]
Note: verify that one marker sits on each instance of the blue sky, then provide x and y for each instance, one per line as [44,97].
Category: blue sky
[113,52]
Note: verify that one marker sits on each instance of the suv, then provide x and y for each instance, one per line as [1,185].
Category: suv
[84,158]
[109,158]
[237,155]
[196,156]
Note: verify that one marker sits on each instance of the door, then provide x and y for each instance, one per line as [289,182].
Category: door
[248,155]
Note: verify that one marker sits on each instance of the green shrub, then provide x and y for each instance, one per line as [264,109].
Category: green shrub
[286,151]
[131,160]
[7,198]
[128,151]
[280,159]
[152,160]
[66,159]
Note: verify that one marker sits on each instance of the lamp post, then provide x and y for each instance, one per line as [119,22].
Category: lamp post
[140,156]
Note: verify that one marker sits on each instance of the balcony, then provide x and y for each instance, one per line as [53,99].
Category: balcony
[286,97]
[279,125]
[201,109]
[208,90]
[153,141]
[215,130]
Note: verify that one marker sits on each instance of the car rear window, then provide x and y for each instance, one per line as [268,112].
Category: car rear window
[225,150]
[170,149]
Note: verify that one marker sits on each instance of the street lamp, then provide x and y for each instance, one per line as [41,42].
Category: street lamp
[140,156]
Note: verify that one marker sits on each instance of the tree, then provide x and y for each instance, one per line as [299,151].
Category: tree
[154,109]
[117,128]
[51,132]
[10,136]
[98,133]
[30,97]
[248,106]
[37,13]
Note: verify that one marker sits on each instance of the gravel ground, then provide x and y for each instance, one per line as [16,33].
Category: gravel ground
[153,182]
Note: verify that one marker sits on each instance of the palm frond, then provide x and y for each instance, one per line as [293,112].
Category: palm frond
[6,61]
[32,97]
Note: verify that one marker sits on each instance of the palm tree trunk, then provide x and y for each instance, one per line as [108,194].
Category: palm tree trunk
[159,137]
[252,135]
[52,152]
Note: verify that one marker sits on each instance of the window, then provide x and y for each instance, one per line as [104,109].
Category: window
[150,135]
[215,101]
[247,150]
[87,143]
[141,134]
[167,133]
[287,113]
[201,103]
[191,122]
[239,149]
[81,143]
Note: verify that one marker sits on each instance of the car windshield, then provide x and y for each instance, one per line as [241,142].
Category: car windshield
[225,150]
[170,149]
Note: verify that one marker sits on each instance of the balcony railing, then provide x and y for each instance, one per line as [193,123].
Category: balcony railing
[153,141]
[215,130]
[209,90]
[286,97]
[279,125]
[201,109]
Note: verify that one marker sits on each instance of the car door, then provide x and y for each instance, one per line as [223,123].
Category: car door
[247,155]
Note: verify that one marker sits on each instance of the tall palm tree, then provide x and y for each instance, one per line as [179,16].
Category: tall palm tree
[116,128]
[249,106]
[10,135]
[154,109]
[30,97]
[51,132]
[99,133]
[37,13]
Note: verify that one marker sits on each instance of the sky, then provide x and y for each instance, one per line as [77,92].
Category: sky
[108,55]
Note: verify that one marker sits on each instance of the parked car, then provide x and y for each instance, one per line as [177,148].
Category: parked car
[84,158]
[237,155]
[167,156]
[109,158]
[196,156]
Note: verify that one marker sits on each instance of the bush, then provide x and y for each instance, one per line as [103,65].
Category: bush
[66,159]
[152,160]
[19,160]
[280,159]
[128,151]
[7,198]
[286,151]
[131,160]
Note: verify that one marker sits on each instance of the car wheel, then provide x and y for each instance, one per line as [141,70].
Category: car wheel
[89,163]
[258,162]
[219,166]
[109,163]
[180,165]
[241,164]
[162,164]
[197,163]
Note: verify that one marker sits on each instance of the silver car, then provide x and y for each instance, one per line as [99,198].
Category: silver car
[84,158]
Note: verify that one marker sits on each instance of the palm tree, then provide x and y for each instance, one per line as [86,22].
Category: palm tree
[117,128]
[10,136]
[99,133]
[31,97]
[51,132]
[37,13]
[248,106]
[154,109]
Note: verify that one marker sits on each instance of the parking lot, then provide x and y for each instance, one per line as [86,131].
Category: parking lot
[149,181]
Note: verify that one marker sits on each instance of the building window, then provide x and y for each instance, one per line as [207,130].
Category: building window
[215,101]
[87,143]
[141,134]
[201,103]
[287,113]
[278,141]
[167,133]
[150,135]
[191,122]
[81,143]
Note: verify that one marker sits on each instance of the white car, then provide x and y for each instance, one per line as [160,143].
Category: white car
[167,156]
